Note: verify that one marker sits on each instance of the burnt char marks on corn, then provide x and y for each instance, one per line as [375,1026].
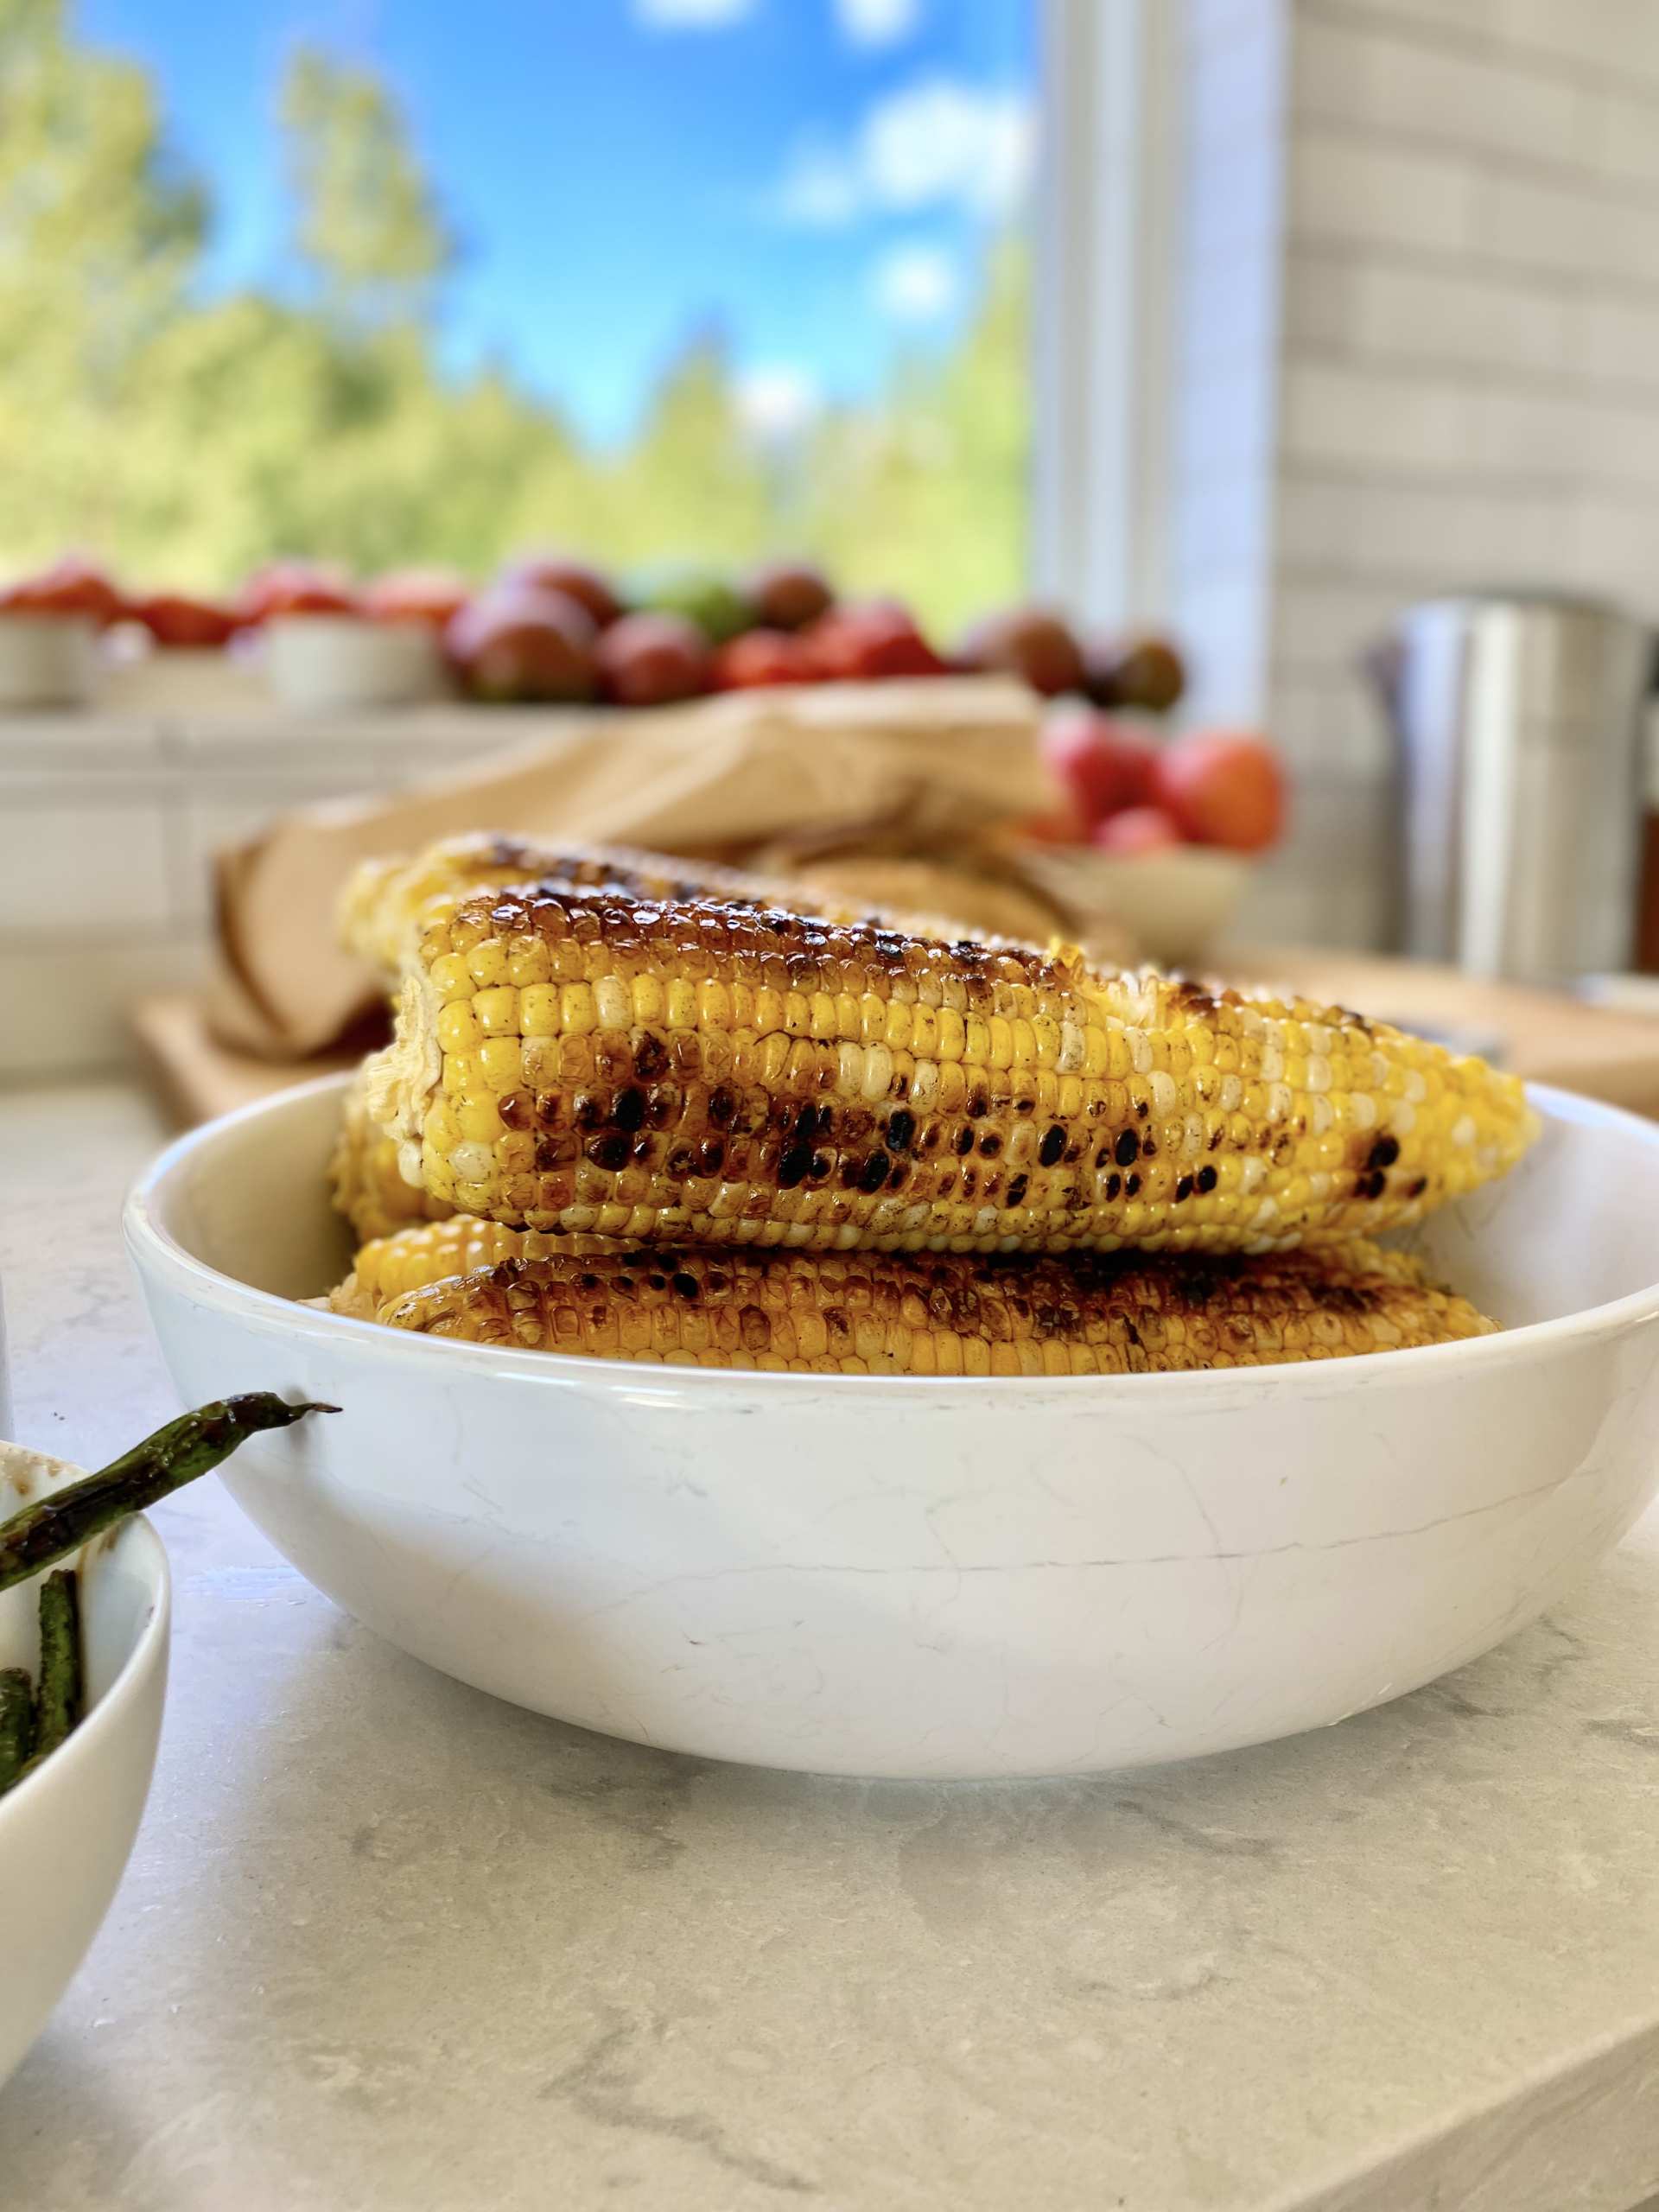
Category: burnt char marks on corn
[949,1313]
[753,1075]
[696,937]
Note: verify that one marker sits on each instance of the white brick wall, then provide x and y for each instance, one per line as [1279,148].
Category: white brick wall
[1463,319]
[109,823]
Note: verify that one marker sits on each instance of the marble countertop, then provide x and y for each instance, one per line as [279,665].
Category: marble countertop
[387,1943]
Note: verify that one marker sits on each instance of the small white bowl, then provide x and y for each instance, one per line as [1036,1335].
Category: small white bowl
[898,1576]
[318,662]
[46,660]
[1172,903]
[66,1830]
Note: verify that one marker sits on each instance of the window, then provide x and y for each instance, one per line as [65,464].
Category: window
[652,278]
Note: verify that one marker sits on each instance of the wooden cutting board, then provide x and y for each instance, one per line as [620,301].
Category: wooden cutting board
[1542,1035]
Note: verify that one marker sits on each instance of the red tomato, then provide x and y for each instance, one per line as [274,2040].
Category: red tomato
[1223,787]
[760,657]
[71,586]
[429,595]
[513,642]
[869,640]
[1102,765]
[651,660]
[173,620]
[1136,830]
[295,587]
[559,572]
[1029,642]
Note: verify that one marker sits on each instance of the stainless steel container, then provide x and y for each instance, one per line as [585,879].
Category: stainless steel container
[1518,722]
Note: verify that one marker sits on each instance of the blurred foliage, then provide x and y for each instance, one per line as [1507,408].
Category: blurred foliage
[185,438]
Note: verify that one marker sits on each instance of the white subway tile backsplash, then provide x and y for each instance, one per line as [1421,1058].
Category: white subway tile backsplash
[1325,628]
[1388,312]
[1622,138]
[1620,36]
[63,1007]
[1331,882]
[1440,365]
[1345,187]
[1361,418]
[1616,39]
[1561,225]
[1612,549]
[1330,724]
[1571,437]
[1469,19]
[1615,341]
[111,856]
[1422,538]
[1393,81]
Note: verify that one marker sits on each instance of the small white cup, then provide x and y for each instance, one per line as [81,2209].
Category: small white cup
[46,660]
[314,662]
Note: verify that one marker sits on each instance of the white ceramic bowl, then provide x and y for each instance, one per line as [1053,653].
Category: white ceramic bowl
[318,662]
[894,1576]
[65,1830]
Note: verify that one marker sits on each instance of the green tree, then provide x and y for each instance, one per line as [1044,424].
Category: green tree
[188,440]
[368,237]
[689,487]
[99,230]
[926,494]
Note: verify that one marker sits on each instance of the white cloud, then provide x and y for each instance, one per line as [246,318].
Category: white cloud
[776,401]
[917,283]
[942,141]
[820,190]
[877,22]
[692,14]
[936,143]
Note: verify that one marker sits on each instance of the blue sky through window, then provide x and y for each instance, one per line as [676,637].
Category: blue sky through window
[820,176]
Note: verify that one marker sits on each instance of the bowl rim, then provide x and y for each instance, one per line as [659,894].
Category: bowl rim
[157,1255]
[86,1741]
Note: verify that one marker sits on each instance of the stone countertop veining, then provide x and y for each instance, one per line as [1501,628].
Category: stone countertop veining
[387,1945]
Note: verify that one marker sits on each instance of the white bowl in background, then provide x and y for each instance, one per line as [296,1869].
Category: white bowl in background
[46,660]
[1172,903]
[66,1830]
[900,1576]
[317,662]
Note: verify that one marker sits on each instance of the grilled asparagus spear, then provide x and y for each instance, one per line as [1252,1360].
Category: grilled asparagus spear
[49,1530]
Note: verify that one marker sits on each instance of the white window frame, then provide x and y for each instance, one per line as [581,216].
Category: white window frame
[1104,300]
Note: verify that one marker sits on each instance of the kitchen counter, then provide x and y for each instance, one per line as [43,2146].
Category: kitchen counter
[387,1943]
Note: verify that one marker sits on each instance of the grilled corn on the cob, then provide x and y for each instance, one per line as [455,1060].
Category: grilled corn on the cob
[366,1180]
[409,1258]
[858,1313]
[686,1072]
[385,901]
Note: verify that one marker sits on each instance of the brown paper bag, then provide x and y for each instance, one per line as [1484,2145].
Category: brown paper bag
[949,756]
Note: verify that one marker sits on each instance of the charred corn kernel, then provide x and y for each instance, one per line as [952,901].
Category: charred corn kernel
[389,1265]
[748,1108]
[365,1181]
[863,1312]
[387,901]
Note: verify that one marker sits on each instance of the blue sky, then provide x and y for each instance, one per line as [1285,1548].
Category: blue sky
[821,174]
